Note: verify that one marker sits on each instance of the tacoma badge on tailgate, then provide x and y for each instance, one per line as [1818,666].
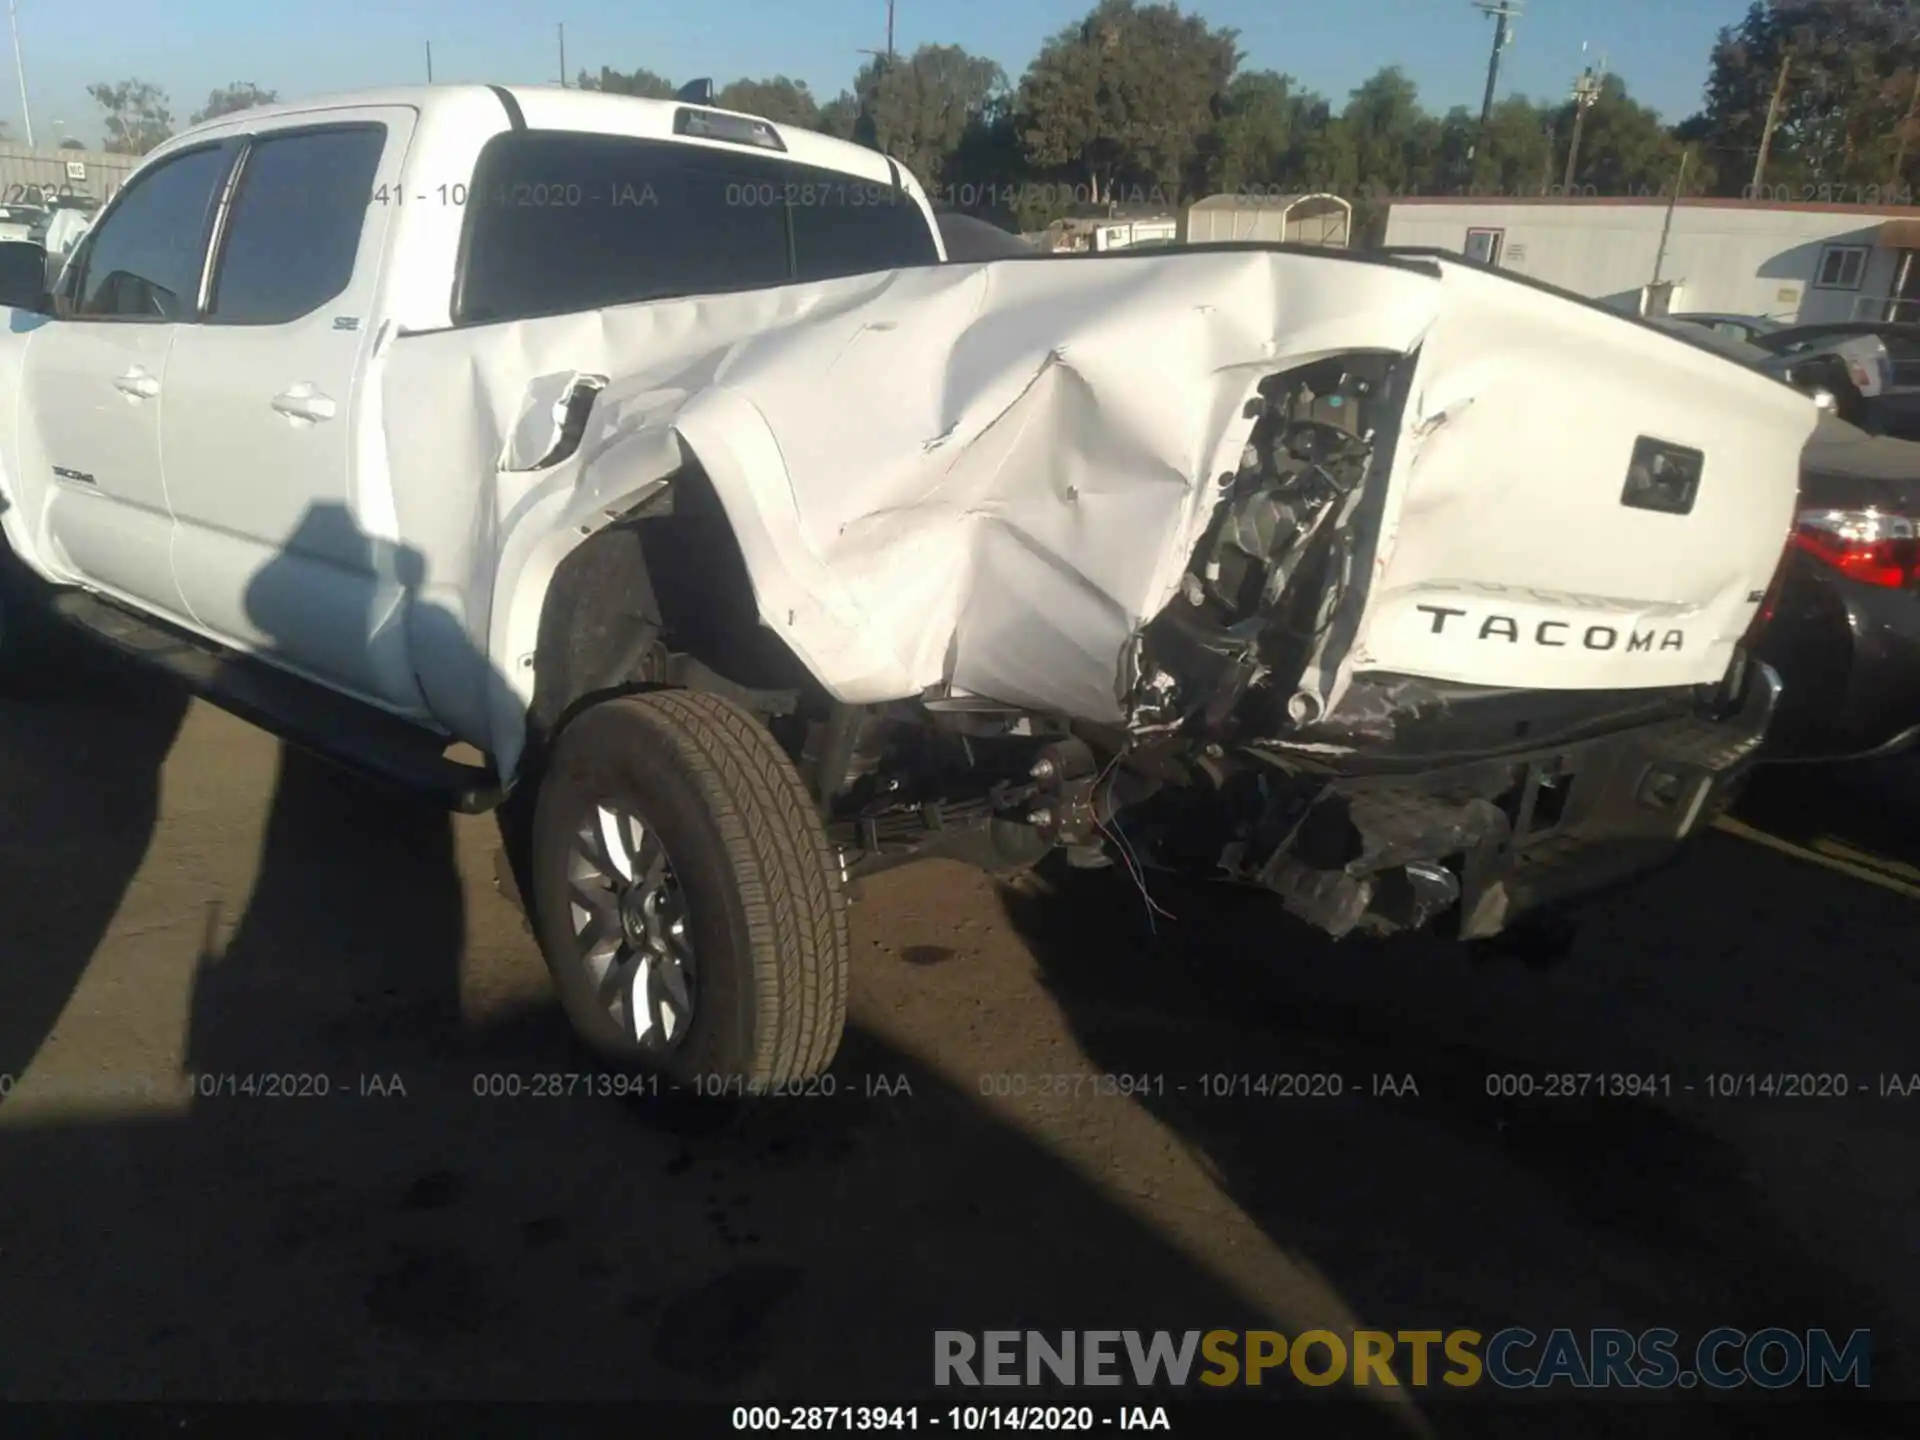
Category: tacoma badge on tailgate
[1556,634]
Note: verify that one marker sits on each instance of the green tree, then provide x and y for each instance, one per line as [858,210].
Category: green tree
[1393,141]
[919,108]
[1846,106]
[783,101]
[1323,155]
[840,116]
[1249,143]
[644,83]
[137,117]
[241,95]
[1520,155]
[1126,95]
[990,175]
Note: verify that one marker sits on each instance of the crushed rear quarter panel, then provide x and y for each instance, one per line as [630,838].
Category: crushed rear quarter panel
[989,477]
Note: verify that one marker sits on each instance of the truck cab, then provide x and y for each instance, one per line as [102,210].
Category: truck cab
[202,410]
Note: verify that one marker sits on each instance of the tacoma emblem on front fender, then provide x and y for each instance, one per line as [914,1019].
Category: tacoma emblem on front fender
[1556,634]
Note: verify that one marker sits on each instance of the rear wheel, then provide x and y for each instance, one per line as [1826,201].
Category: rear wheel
[685,896]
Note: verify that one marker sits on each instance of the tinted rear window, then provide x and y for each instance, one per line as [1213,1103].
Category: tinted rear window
[853,227]
[561,222]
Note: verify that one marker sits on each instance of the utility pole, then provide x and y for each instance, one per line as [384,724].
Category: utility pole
[1503,13]
[1673,200]
[864,125]
[1586,90]
[20,66]
[429,62]
[1773,119]
[563,57]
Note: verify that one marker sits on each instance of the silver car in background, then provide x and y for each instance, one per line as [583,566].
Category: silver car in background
[1867,359]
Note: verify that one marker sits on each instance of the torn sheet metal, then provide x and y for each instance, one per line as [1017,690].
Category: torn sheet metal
[1505,555]
[989,477]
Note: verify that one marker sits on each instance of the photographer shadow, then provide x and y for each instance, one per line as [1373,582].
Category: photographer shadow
[384,1166]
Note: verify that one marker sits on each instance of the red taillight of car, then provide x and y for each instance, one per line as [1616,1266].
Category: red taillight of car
[1874,547]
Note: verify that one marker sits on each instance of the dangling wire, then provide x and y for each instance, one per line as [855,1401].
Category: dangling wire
[1128,855]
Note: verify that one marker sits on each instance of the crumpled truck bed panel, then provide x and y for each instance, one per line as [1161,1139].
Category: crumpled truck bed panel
[983,476]
[989,477]
[993,476]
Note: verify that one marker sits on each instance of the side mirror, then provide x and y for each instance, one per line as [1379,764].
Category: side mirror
[23,275]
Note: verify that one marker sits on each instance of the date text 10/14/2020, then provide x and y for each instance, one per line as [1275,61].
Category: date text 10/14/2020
[201,1085]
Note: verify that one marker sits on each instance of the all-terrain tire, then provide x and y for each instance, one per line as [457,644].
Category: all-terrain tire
[765,905]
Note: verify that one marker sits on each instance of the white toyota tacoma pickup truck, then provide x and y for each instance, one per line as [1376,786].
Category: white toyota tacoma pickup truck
[656,454]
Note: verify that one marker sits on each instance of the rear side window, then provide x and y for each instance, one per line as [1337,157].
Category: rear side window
[564,222]
[293,228]
[852,228]
[561,222]
[144,259]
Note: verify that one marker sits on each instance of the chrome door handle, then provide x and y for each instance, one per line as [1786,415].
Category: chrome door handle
[303,402]
[138,384]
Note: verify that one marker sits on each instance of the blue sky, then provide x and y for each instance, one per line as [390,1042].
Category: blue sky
[189,46]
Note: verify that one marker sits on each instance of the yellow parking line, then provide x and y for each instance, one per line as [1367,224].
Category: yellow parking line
[1866,872]
[1873,862]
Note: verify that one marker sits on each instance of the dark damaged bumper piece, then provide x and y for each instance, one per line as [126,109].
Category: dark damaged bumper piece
[1492,839]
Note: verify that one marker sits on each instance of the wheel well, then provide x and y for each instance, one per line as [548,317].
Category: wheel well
[662,596]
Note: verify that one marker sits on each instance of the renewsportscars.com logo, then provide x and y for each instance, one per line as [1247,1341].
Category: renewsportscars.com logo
[1512,1359]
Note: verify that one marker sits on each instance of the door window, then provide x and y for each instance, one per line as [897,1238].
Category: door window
[293,227]
[1484,246]
[562,222]
[143,260]
[846,226]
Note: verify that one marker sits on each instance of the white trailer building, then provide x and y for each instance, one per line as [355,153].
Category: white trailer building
[1805,262]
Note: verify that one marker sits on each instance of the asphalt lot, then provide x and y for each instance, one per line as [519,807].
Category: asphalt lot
[177,895]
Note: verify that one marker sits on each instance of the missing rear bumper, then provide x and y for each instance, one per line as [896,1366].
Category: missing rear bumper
[1489,842]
